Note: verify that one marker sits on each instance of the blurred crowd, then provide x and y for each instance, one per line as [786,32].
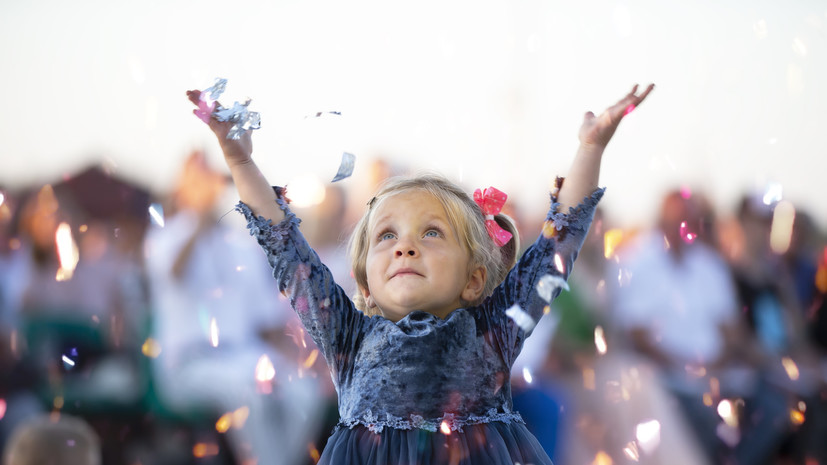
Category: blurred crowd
[146,328]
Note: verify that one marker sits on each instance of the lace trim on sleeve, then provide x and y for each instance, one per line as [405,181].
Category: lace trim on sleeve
[577,218]
[373,423]
[264,228]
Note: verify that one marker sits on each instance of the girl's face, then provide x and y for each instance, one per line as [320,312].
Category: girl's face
[415,260]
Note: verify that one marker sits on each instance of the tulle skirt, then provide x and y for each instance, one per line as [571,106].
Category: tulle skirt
[491,443]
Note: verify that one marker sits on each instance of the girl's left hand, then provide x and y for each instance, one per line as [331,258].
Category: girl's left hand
[597,131]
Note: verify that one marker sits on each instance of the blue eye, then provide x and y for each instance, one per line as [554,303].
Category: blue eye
[385,236]
[433,233]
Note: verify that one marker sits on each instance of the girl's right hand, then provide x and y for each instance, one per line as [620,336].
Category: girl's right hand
[236,152]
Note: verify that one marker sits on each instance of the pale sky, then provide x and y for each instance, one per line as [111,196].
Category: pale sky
[487,92]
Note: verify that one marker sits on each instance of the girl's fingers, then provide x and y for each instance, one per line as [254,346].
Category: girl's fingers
[194,96]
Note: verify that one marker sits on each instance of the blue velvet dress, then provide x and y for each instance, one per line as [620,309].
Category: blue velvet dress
[423,390]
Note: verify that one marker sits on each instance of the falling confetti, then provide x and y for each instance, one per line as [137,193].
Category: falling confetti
[521,318]
[527,375]
[213,332]
[781,231]
[548,284]
[156,214]
[648,435]
[772,194]
[345,167]
[243,120]
[319,114]
[67,252]
[600,340]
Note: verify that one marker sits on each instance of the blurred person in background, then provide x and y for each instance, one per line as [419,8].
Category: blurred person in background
[17,379]
[675,304]
[773,287]
[219,324]
[53,440]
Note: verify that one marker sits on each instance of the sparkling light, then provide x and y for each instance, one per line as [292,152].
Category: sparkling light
[648,435]
[156,214]
[611,240]
[204,449]
[558,263]
[797,417]
[600,340]
[686,235]
[213,332]
[67,252]
[602,458]
[631,451]
[265,371]
[444,428]
[727,413]
[773,193]
[790,367]
[527,375]
[224,423]
[151,348]
[781,232]
[311,359]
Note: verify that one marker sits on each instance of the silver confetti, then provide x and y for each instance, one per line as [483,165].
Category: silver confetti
[319,114]
[216,89]
[346,167]
[548,284]
[243,120]
[521,318]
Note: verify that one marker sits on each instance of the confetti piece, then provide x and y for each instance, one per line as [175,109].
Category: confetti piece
[628,110]
[346,167]
[156,214]
[319,114]
[548,284]
[68,363]
[521,318]
[648,435]
[243,120]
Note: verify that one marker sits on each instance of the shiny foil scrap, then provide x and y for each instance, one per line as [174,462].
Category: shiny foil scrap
[243,119]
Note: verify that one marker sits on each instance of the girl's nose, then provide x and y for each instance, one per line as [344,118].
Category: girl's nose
[406,249]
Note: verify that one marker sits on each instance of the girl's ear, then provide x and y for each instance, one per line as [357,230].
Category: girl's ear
[369,303]
[475,286]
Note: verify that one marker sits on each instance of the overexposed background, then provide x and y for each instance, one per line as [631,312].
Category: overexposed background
[488,92]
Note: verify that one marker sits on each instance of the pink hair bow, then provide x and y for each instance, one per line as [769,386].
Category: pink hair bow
[491,202]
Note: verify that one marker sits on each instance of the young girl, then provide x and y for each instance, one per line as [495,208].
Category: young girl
[425,379]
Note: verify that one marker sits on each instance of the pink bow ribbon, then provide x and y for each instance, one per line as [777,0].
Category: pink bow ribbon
[491,202]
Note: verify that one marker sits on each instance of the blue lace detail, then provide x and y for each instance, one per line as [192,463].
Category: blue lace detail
[577,218]
[264,228]
[372,422]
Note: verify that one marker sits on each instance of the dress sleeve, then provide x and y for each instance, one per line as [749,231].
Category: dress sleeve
[324,308]
[516,304]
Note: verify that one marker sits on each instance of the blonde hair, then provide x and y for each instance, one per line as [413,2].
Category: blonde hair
[465,218]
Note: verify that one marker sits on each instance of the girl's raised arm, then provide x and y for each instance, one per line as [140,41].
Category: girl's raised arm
[253,188]
[595,134]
